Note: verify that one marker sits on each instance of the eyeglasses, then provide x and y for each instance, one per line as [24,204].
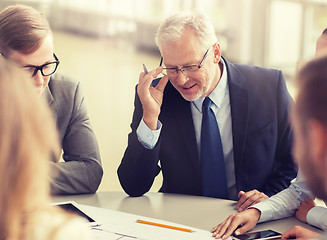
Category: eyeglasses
[186,70]
[46,69]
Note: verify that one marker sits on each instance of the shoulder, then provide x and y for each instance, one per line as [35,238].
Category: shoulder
[63,83]
[61,79]
[257,80]
[64,88]
[253,75]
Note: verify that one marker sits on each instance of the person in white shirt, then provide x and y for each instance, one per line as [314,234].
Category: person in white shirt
[297,199]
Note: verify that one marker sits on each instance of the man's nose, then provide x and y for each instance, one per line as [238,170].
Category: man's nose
[181,78]
[38,79]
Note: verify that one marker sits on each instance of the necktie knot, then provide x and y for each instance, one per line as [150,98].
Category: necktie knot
[206,104]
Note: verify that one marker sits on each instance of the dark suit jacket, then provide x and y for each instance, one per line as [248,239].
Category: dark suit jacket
[262,140]
[82,171]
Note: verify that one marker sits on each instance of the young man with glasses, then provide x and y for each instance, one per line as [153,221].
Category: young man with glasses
[26,40]
[246,157]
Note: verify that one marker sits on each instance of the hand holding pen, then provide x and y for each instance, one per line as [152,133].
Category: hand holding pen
[151,97]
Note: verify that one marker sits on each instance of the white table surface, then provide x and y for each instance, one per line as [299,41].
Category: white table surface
[194,211]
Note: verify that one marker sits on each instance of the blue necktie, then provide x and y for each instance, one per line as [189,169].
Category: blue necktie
[212,157]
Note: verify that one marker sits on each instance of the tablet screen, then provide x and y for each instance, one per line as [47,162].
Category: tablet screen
[73,209]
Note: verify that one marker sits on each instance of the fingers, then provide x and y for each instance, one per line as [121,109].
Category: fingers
[289,234]
[295,232]
[245,220]
[146,79]
[226,228]
[243,229]
[162,83]
[298,232]
[243,197]
[249,198]
[240,194]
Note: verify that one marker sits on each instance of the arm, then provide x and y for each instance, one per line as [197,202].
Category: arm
[139,165]
[82,171]
[285,203]
[317,216]
[281,205]
[304,209]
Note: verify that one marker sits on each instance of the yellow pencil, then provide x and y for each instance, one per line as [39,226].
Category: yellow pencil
[165,226]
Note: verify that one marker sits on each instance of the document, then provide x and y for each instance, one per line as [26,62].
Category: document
[125,226]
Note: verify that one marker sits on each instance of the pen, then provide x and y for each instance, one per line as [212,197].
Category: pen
[165,226]
[145,70]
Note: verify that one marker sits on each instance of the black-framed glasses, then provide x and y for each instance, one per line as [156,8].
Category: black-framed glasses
[186,70]
[46,69]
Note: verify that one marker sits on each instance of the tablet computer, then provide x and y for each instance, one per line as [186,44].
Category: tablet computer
[266,234]
[73,207]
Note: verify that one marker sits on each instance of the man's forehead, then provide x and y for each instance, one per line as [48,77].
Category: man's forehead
[42,55]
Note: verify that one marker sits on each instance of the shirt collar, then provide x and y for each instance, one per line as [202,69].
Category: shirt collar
[218,94]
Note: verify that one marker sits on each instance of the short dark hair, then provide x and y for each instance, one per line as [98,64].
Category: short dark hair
[22,29]
[311,101]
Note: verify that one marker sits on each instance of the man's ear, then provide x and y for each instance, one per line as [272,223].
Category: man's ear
[216,52]
[318,143]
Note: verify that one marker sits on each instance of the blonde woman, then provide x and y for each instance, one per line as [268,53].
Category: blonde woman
[28,140]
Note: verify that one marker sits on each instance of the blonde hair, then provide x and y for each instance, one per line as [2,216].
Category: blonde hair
[28,141]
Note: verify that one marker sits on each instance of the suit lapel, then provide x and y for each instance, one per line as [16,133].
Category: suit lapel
[47,95]
[239,102]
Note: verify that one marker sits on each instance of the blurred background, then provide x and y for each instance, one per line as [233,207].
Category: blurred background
[103,44]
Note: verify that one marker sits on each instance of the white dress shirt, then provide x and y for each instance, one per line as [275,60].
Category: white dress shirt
[221,107]
[285,204]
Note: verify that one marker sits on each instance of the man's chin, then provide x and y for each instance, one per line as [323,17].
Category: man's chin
[190,96]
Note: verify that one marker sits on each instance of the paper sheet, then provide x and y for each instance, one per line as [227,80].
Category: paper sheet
[123,226]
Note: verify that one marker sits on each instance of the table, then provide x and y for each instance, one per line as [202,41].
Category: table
[195,211]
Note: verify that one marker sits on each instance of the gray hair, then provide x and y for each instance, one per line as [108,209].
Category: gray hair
[172,28]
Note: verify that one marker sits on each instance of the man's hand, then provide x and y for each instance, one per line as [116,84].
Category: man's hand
[246,219]
[299,233]
[304,208]
[151,97]
[249,198]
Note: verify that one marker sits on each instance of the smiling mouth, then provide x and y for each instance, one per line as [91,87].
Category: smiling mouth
[189,87]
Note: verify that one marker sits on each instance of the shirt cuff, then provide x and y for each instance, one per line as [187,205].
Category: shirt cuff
[265,209]
[147,137]
[317,217]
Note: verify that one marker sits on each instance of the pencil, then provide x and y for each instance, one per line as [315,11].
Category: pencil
[165,226]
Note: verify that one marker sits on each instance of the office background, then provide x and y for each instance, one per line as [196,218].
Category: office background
[103,43]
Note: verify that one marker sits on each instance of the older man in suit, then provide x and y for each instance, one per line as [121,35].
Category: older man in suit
[244,154]
[26,40]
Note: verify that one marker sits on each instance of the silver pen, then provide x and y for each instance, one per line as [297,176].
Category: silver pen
[144,69]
